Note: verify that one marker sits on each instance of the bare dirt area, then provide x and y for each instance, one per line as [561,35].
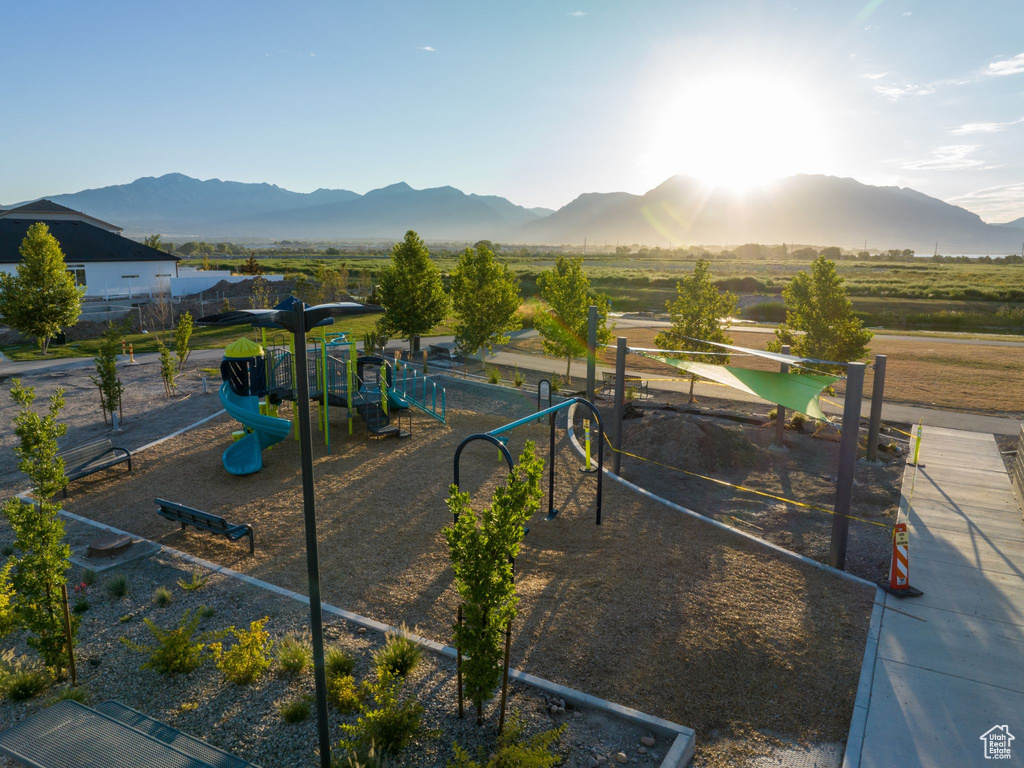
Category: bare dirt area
[742,454]
[651,609]
[148,413]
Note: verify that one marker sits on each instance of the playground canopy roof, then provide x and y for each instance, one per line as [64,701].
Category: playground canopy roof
[282,315]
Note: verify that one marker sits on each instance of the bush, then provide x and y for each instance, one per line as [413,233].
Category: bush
[494,375]
[295,711]
[69,693]
[205,612]
[197,582]
[372,759]
[339,663]
[399,655]
[126,618]
[517,378]
[797,421]
[514,751]
[21,678]
[387,722]
[292,655]
[249,657]
[8,620]
[176,650]
[556,384]
[81,605]
[342,694]
[118,586]
[162,597]
[773,414]
[88,577]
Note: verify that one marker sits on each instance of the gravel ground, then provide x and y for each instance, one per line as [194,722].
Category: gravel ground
[148,413]
[244,720]
[651,609]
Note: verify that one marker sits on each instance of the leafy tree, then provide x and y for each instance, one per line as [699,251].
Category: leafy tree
[251,265]
[188,248]
[40,552]
[168,369]
[816,304]
[260,298]
[411,291]
[182,335]
[222,247]
[486,299]
[153,241]
[41,298]
[697,313]
[106,378]
[333,282]
[566,289]
[482,547]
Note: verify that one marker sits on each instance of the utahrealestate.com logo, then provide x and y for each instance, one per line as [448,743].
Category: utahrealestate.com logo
[997,742]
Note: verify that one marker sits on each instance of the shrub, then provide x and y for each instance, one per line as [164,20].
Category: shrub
[556,384]
[176,650]
[372,759]
[162,597]
[517,378]
[342,694]
[513,750]
[494,375]
[196,583]
[8,550]
[399,654]
[126,618]
[8,619]
[249,657]
[292,655]
[69,693]
[188,706]
[797,421]
[205,612]
[22,678]
[118,586]
[81,605]
[295,711]
[339,663]
[88,577]
[387,722]
[773,414]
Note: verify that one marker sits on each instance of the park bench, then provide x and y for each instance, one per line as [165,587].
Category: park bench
[90,457]
[179,513]
[71,735]
[636,383]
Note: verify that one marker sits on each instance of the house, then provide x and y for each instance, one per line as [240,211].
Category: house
[100,258]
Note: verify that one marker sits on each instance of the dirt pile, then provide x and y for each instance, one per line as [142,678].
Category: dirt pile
[693,444]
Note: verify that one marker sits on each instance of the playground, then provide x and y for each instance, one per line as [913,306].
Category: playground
[652,609]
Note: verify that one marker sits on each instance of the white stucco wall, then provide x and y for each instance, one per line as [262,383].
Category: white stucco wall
[113,278]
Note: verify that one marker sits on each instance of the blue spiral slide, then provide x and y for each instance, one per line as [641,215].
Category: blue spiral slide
[245,456]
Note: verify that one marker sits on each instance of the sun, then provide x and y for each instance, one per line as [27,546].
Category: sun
[738,131]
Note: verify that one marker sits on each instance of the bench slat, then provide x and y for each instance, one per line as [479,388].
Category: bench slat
[179,513]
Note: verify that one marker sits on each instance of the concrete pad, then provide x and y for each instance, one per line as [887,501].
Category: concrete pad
[954,644]
[957,524]
[924,719]
[961,495]
[995,480]
[983,552]
[967,590]
[968,461]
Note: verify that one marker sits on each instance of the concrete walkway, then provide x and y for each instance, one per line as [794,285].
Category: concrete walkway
[935,683]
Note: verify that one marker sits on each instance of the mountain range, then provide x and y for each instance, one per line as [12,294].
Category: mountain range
[824,210]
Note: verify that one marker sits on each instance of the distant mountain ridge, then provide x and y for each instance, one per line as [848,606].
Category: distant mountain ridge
[827,210]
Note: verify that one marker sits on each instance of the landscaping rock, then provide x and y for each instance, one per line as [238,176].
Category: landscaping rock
[647,741]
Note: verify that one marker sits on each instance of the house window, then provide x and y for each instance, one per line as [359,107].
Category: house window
[129,277]
[78,272]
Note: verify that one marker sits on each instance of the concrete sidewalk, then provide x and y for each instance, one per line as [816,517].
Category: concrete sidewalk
[951,670]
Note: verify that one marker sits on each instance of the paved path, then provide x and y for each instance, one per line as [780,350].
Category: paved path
[939,684]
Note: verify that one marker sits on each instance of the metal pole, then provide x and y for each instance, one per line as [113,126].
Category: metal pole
[847,464]
[877,390]
[591,349]
[620,401]
[312,559]
[551,470]
[780,410]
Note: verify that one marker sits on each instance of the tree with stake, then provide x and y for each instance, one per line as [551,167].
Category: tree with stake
[482,547]
[182,335]
[816,304]
[106,378]
[566,290]
[486,300]
[411,291]
[40,552]
[41,298]
[697,313]
[168,369]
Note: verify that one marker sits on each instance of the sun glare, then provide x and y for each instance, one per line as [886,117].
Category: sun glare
[738,131]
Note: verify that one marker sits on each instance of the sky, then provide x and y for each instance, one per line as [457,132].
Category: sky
[535,100]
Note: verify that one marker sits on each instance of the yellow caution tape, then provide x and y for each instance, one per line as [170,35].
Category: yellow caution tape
[739,487]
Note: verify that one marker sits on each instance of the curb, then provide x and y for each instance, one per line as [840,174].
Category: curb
[859,720]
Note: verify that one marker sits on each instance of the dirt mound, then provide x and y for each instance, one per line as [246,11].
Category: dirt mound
[691,443]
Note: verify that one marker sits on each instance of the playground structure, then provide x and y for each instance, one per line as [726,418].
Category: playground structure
[258,378]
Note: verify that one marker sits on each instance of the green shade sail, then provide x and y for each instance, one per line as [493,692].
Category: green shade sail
[796,391]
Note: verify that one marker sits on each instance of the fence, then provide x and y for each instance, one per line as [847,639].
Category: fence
[1017,470]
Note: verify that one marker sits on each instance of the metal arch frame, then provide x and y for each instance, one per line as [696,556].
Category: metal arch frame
[492,437]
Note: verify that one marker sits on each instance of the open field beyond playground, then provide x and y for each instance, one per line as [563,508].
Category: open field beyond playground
[652,609]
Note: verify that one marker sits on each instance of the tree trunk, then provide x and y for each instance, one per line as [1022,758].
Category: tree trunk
[692,380]
[568,370]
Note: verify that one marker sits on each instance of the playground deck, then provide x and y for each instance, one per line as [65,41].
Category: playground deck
[651,609]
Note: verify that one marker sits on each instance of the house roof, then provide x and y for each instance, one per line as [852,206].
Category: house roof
[81,242]
[44,206]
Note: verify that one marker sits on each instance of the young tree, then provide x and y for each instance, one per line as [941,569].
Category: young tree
[486,299]
[168,369]
[566,289]
[697,313]
[816,304]
[482,546]
[41,297]
[260,298]
[153,241]
[182,335]
[411,291]
[40,552]
[106,378]
[333,282]
[251,266]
